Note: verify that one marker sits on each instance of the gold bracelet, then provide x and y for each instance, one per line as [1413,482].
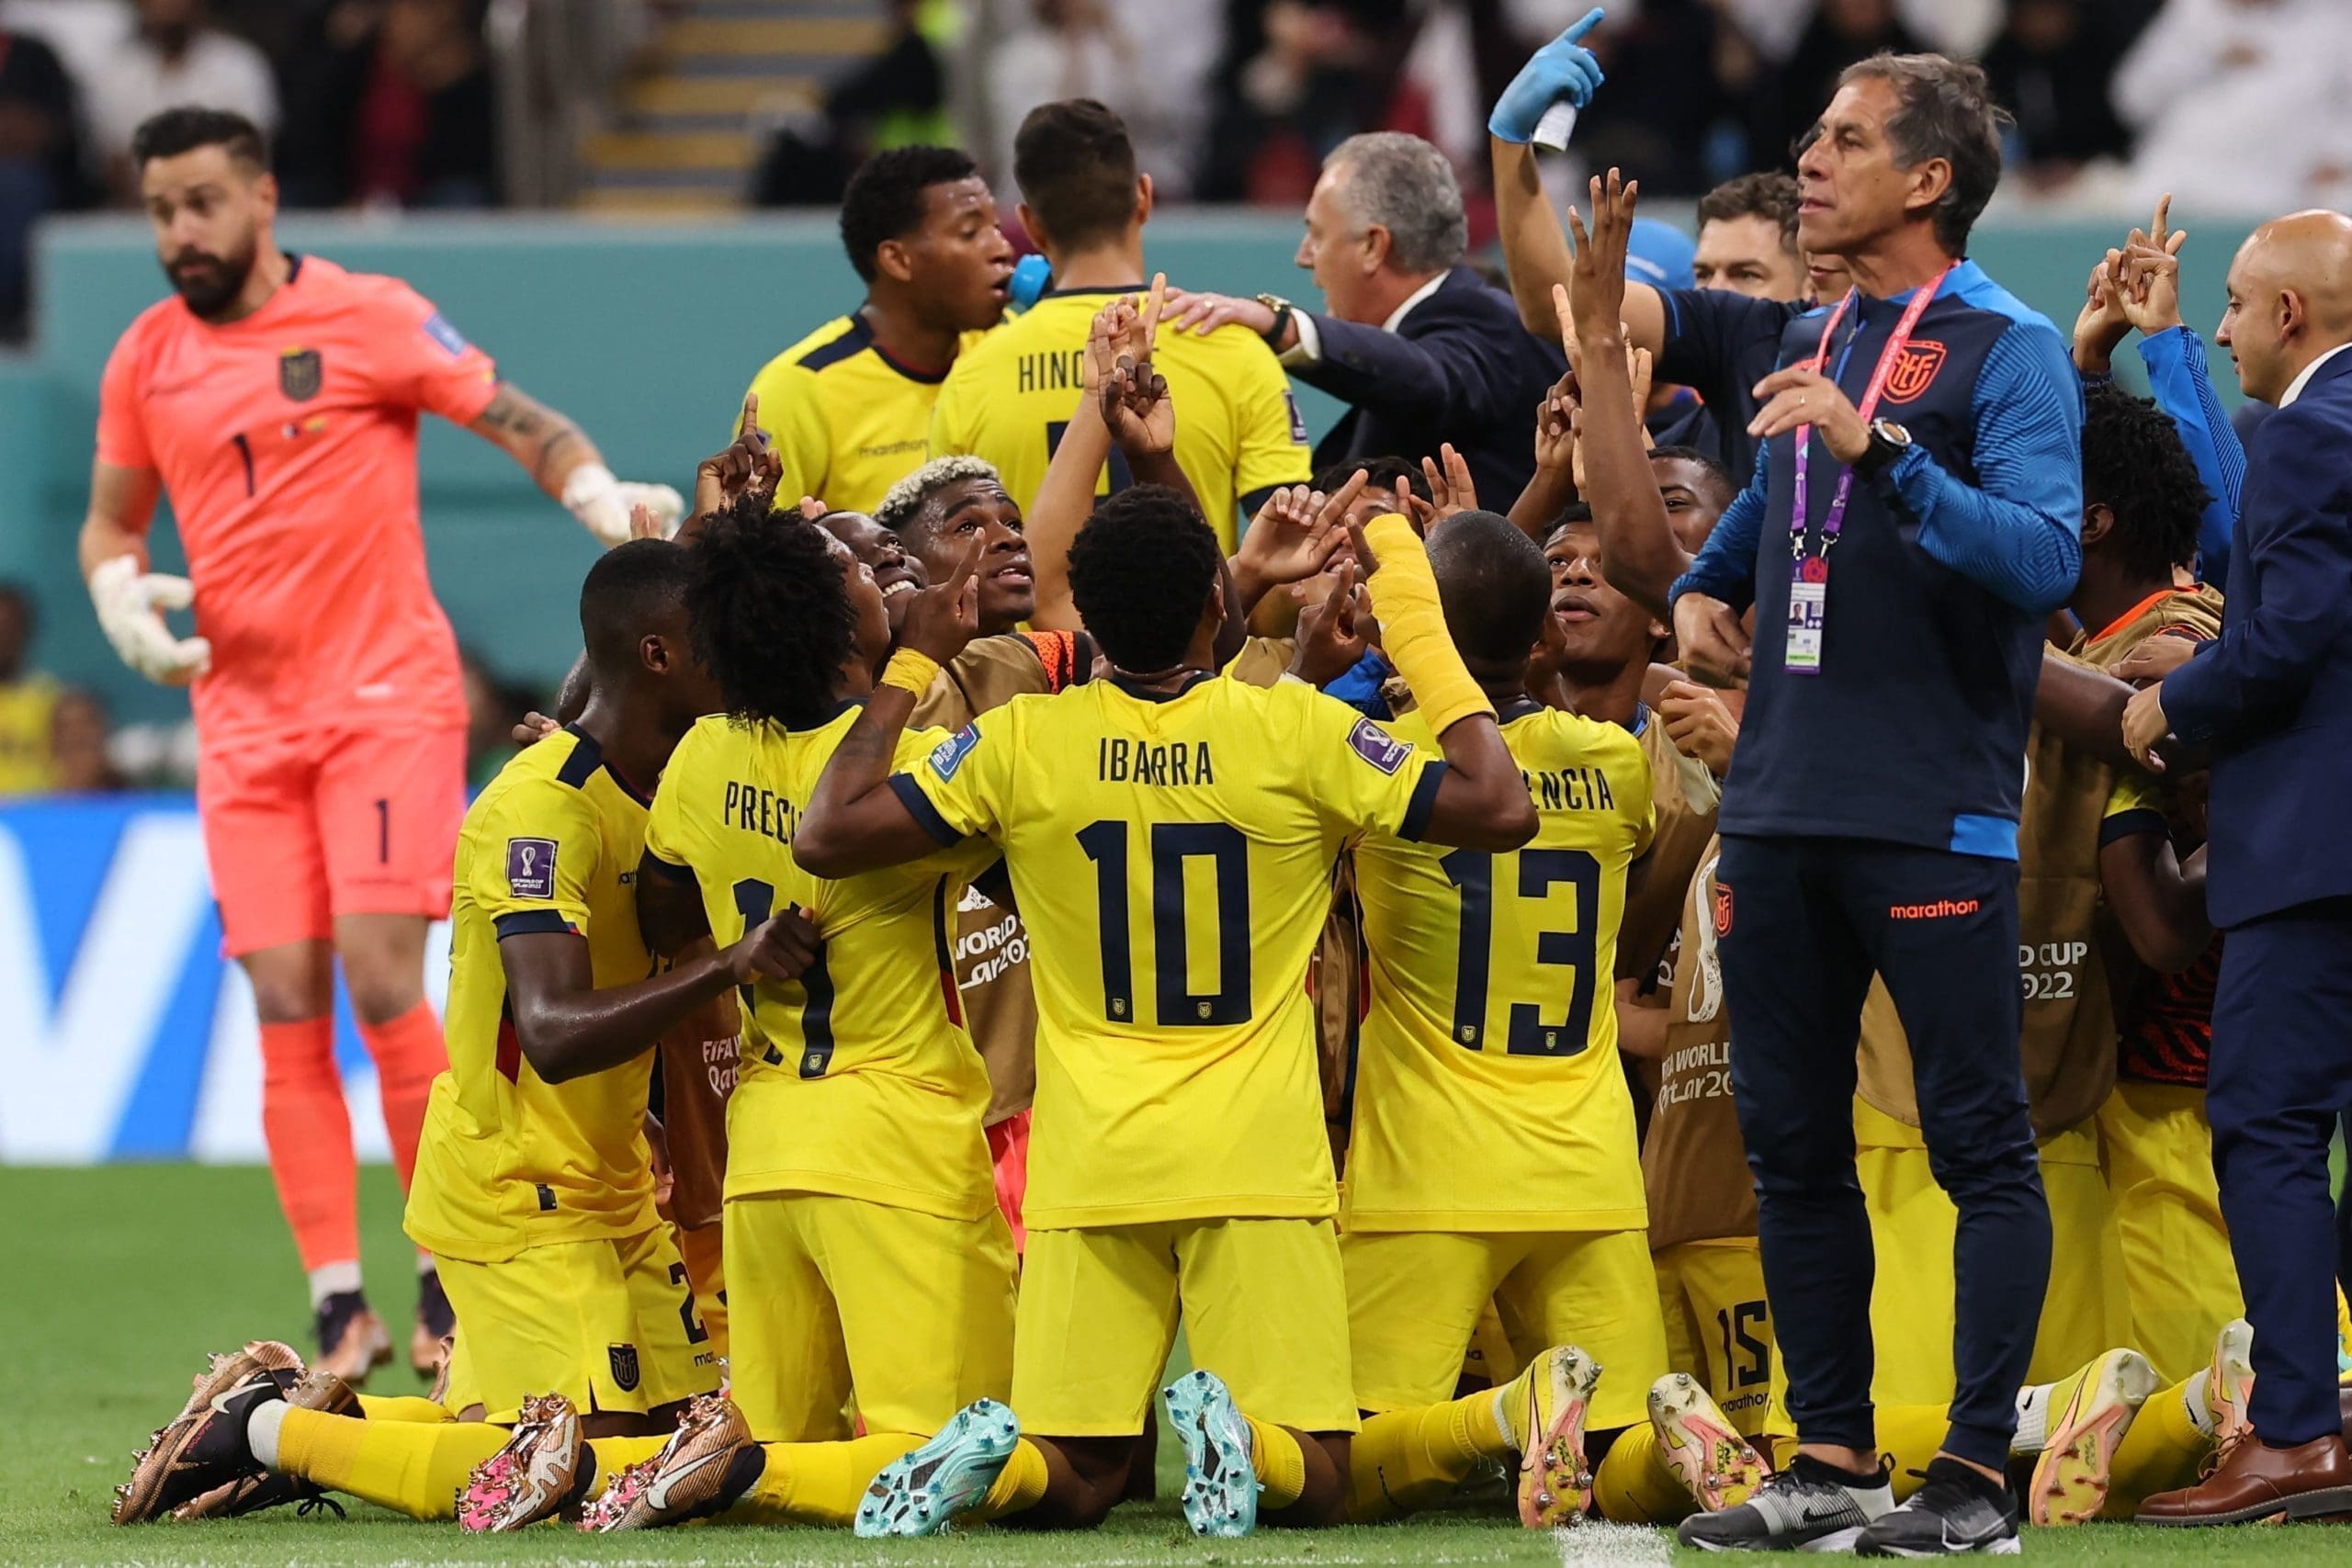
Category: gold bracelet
[910,671]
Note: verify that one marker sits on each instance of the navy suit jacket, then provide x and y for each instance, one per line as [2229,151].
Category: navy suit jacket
[1459,367]
[2272,695]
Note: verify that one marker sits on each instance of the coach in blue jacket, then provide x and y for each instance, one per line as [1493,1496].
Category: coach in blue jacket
[2273,698]
[1915,513]
[1424,350]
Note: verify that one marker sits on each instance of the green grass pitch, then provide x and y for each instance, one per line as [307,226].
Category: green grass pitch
[118,1279]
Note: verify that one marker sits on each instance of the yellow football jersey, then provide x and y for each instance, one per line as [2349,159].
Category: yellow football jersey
[1172,857]
[27,707]
[860,1078]
[848,421]
[508,1161]
[1237,428]
[1488,1094]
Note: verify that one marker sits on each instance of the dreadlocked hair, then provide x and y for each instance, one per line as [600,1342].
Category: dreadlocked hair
[2133,461]
[769,612]
[902,503]
[1141,572]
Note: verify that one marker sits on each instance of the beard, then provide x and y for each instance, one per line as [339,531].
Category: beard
[211,284]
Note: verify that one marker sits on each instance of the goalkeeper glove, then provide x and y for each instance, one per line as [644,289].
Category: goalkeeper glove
[130,602]
[602,504]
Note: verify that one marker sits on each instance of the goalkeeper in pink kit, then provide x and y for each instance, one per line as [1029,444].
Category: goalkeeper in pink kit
[275,399]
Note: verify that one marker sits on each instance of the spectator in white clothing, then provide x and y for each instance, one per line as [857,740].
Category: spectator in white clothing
[170,55]
[2238,105]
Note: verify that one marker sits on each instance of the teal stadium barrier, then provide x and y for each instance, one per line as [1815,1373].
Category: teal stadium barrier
[647,336]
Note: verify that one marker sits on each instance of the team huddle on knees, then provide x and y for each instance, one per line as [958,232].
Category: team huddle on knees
[1463,877]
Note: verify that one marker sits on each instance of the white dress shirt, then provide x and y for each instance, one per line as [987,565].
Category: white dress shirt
[1308,349]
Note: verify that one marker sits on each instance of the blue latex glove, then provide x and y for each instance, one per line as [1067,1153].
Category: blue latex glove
[1561,69]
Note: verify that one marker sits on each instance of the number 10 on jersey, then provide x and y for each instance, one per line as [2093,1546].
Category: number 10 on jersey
[1171,845]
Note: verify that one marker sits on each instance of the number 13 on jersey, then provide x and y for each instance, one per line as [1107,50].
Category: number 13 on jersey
[1530,970]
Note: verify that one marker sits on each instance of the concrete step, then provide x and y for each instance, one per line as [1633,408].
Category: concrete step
[648,149]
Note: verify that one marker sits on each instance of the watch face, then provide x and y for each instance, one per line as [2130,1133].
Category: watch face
[1894,433]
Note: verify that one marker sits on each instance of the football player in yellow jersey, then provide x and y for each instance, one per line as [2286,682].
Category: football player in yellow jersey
[865,1252]
[1010,396]
[945,509]
[849,406]
[1171,837]
[533,1187]
[1491,1028]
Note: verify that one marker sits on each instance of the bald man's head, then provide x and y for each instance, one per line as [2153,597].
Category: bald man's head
[2290,299]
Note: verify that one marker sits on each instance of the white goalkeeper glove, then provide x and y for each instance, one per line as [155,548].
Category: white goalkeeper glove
[602,504]
[130,605]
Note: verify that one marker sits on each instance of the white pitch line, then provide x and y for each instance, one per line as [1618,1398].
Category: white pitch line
[1596,1544]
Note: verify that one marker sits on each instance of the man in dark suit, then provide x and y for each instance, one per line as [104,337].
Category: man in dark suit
[1424,350]
[2272,698]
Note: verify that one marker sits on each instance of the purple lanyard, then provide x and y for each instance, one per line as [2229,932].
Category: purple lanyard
[1887,359]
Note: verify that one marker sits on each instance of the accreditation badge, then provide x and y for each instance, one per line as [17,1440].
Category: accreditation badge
[1808,602]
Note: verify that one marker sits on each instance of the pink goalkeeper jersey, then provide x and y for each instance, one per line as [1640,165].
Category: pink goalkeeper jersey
[287,443]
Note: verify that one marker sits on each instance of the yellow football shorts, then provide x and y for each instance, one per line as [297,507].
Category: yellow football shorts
[825,1292]
[1264,1308]
[610,1324]
[2083,1311]
[1414,1299]
[1719,1327]
[2183,1285]
[706,1270]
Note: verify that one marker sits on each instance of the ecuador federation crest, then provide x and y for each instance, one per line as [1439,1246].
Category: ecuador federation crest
[624,1364]
[299,373]
[1915,371]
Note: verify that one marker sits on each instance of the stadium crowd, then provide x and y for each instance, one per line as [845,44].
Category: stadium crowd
[1529,976]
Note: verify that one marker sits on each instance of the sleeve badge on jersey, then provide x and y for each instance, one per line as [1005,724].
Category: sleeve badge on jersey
[1376,746]
[437,328]
[949,754]
[1298,420]
[530,867]
[299,373]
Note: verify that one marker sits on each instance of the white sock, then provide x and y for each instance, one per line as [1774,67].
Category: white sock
[2033,1419]
[333,1279]
[2192,1398]
[261,1430]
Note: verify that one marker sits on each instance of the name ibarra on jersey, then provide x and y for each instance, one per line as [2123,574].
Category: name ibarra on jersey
[1570,789]
[1060,371]
[1118,761]
[758,811]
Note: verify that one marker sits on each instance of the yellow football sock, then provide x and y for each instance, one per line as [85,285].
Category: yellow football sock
[406,1466]
[1411,1458]
[1020,1484]
[2160,1451]
[617,1454]
[1280,1465]
[1635,1485]
[815,1483]
[409,1408]
[1908,1437]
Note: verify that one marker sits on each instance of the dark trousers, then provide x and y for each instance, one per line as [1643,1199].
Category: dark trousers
[2281,1075]
[1809,920]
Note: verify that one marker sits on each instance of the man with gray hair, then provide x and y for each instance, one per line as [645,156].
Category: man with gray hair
[1424,350]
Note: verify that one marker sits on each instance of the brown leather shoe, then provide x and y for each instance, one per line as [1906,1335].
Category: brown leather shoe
[2254,1481]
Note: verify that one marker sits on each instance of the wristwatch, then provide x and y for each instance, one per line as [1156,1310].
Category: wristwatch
[1282,309]
[1888,442]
